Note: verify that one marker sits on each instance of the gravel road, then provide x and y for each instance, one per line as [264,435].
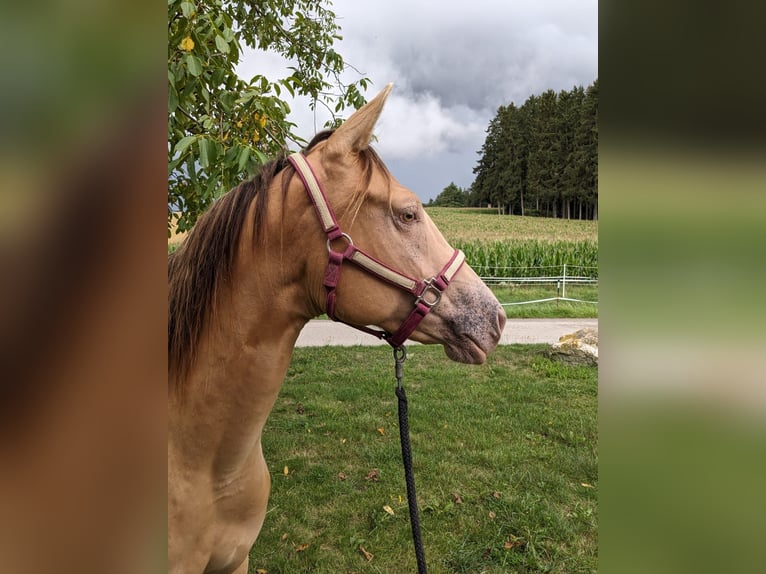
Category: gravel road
[319,333]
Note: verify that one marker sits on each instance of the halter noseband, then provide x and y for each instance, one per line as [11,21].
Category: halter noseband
[427,292]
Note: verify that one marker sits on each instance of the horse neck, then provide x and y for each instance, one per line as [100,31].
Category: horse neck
[244,356]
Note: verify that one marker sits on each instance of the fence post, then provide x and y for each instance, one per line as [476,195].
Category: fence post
[564,282]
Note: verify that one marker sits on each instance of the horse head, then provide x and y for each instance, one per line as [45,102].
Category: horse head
[385,222]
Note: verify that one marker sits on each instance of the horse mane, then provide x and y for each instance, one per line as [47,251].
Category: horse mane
[203,263]
[202,266]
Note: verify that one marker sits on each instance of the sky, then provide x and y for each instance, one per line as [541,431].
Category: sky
[453,65]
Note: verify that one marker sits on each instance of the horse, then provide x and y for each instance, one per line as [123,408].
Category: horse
[267,257]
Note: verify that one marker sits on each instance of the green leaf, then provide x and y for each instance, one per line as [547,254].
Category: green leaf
[194,65]
[244,155]
[228,100]
[289,87]
[262,159]
[221,44]
[188,9]
[231,155]
[172,99]
[212,185]
[191,169]
[173,165]
[204,147]
[218,150]
[184,143]
[218,76]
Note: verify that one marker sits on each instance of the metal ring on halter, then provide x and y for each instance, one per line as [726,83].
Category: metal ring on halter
[344,236]
[433,290]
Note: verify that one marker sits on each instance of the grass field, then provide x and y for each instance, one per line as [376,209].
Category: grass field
[504,455]
[485,225]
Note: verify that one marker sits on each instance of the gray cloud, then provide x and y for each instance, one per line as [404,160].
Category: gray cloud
[479,54]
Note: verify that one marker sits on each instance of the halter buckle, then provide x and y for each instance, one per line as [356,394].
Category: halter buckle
[433,290]
[342,236]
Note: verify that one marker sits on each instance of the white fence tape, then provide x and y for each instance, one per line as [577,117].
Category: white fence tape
[531,277]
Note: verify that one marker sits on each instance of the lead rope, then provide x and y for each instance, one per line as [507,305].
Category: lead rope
[400,355]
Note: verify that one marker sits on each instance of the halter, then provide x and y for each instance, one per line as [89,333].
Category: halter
[427,292]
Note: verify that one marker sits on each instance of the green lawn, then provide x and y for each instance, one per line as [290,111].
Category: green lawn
[505,458]
[547,309]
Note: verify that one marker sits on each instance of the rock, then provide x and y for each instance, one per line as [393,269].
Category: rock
[578,348]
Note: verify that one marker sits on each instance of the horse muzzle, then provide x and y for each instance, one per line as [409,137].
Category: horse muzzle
[468,322]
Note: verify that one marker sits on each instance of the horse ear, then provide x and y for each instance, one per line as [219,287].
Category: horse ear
[355,133]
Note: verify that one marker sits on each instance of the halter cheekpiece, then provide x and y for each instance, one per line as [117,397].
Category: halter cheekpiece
[427,292]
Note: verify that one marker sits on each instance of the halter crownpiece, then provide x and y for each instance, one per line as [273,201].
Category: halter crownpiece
[427,292]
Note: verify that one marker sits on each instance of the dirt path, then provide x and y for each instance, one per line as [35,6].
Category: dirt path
[319,333]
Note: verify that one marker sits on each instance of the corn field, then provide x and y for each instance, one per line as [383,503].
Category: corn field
[514,246]
[531,258]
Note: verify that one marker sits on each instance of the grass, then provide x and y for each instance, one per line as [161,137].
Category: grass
[504,454]
[548,309]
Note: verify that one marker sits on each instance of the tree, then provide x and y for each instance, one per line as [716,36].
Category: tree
[487,177]
[451,196]
[515,157]
[568,119]
[587,137]
[542,158]
[222,128]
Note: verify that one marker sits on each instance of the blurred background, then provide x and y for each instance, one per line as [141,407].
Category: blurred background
[682,390]
[82,286]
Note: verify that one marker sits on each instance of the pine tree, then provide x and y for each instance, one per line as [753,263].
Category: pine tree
[487,178]
[542,174]
[568,120]
[587,152]
[542,158]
